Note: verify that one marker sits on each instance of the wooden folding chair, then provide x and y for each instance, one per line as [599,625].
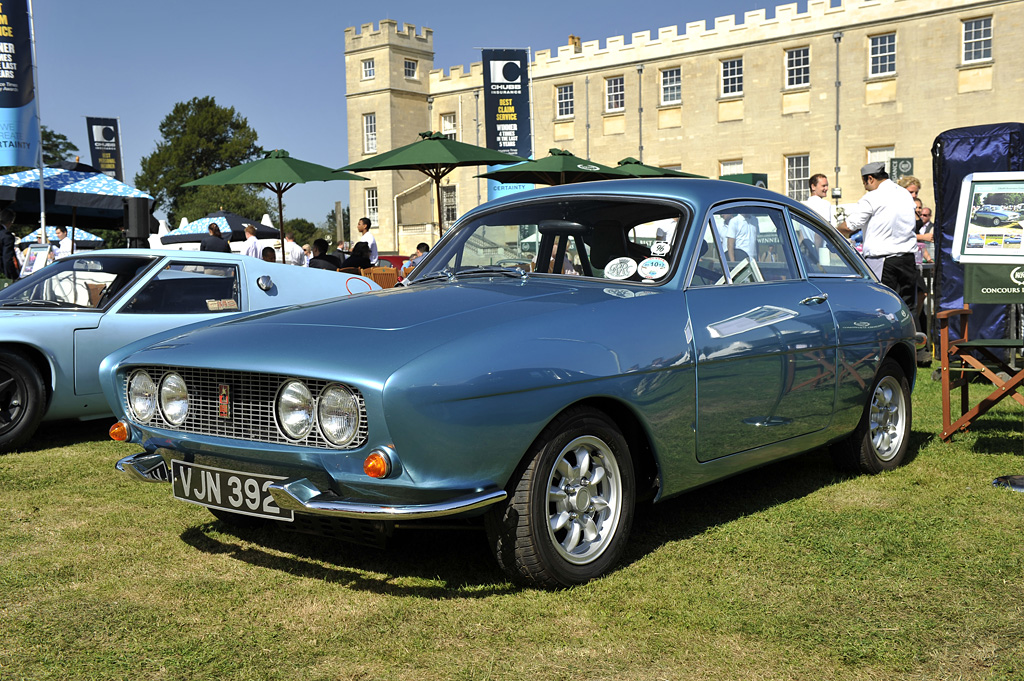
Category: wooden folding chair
[387,277]
[959,365]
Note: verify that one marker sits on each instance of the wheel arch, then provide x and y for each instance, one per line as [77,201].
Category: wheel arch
[906,358]
[40,361]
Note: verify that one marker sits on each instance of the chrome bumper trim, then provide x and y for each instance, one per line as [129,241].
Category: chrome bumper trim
[303,496]
[145,467]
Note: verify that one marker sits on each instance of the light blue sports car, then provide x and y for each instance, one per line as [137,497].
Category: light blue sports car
[59,322]
[995,216]
[560,356]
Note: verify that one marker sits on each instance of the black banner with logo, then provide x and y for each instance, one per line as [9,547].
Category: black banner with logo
[19,126]
[507,107]
[104,143]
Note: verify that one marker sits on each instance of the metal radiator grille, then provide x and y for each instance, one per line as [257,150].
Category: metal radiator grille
[252,406]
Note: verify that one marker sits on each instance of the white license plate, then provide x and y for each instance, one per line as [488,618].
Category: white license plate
[233,491]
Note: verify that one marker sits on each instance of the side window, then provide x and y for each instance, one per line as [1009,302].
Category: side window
[820,255]
[755,244]
[181,288]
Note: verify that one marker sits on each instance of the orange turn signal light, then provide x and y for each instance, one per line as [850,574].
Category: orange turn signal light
[377,465]
[119,431]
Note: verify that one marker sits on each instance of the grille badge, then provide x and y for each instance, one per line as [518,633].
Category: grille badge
[224,401]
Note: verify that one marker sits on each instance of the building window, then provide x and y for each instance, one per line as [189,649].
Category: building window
[798,67]
[671,86]
[410,68]
[883,54]
[798,172]
[732,77]
[564,101]
[370,133]
[369,69]
[449,204]
[978,40]
[730,167]
[883,154]
[615,94]
[371,205]
[448,126]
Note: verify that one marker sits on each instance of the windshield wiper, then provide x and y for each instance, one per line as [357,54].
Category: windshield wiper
[489,270]
[38,302]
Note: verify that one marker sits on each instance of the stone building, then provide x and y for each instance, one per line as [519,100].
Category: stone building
[825,90]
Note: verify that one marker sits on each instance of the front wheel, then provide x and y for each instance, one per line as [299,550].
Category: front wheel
[22,399]
[996,222]
[570,508]
[880,441]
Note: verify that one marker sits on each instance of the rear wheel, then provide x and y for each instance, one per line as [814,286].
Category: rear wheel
[570,509]
[22,399]
[880,441]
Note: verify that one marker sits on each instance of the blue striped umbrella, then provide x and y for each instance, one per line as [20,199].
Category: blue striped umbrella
[232,227]
[94,197]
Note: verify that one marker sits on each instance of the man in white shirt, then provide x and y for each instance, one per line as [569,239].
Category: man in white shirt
[364,228]
[818,201]
[294,255]
[64,245]
[251,246]
[887,216]
[741,238]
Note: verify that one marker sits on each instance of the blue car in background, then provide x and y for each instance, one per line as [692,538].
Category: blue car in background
[560,356]
[995,216]
[59,322]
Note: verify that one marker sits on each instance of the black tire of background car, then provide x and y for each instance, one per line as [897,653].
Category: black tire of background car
[858,451]
[996,222]
[22,399]
[517,528]
[239,520]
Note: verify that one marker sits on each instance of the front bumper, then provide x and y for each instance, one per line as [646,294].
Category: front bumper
[302,496]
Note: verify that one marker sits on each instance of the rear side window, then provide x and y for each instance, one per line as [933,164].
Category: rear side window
[181,288]
[818,251]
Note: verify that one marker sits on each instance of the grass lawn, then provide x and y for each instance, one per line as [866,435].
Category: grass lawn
[790,572]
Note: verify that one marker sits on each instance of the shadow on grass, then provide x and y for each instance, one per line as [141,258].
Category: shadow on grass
[998,433]
[446,563]
[55,434]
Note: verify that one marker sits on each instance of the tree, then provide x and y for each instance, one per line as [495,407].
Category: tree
[56,147]
[303,230]
[199,138]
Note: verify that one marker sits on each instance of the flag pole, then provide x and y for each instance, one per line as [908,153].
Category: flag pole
[39,124]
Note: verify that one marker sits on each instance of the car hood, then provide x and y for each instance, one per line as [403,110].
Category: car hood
[384,329]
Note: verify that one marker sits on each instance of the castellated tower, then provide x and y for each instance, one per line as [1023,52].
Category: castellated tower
[387,88]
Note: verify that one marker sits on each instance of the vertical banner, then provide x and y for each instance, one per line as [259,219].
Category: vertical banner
[19,126]
[104,143]
[507,110]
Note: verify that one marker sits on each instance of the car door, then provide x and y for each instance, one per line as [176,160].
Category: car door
[764,336]
[177,294]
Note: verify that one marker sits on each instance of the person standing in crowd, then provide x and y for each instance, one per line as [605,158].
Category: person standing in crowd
[910,183]
[268,254]
[251,246]
[214,241]
[886,216]
[307,251]
[64,246]
[321,259]
[818,200]
[293,252]
[364,228]
[9,266]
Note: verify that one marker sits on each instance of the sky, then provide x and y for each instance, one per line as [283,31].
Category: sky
[281,65]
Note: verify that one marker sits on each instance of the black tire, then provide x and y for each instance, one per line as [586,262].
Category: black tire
[239,520]
[577,533]
[22,399]
[880,441]
[996,222]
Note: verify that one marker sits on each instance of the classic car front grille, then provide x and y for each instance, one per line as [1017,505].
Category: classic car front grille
[252,397]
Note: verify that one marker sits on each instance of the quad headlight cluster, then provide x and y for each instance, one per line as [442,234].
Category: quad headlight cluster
[335,410]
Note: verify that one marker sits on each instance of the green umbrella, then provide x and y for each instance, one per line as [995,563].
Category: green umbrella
[635,168]
[278,172]
[561,167]
[435,156]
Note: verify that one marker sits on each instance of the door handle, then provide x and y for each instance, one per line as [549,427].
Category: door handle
[816,300]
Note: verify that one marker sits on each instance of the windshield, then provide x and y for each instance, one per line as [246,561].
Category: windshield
[619,239]
[88,282]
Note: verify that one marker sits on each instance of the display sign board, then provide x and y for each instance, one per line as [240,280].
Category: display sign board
[36,258]
[987,283]
[104,143]
[507,110]
[19,124]
[988,219]
[899,167]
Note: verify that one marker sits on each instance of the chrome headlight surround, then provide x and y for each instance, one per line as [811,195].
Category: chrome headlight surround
[141,396]
[173,398]
[339,413]
[294,409]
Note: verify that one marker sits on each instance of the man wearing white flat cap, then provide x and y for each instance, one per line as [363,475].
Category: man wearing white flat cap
[887,216]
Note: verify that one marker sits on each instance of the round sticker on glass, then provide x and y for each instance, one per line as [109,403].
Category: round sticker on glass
[653,268]
[660,248]
[620,268]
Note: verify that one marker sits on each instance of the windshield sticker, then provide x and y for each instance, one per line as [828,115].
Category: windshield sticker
[653,268]
[620,268]
[225,305]
[660,248]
